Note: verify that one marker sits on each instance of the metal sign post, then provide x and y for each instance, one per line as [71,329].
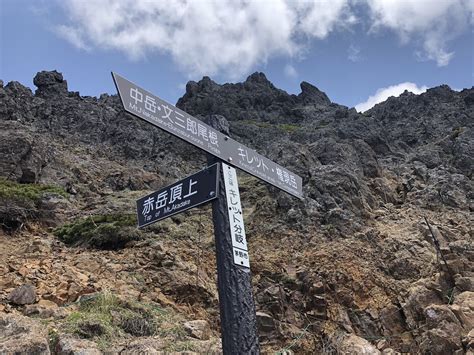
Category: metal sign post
[236,304]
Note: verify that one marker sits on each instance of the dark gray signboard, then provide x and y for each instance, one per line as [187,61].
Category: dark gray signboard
[178,197]
[154,110]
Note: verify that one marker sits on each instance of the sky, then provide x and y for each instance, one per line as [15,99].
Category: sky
[359,52]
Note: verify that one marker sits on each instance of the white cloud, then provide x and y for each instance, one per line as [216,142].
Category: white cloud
[384,93]
[203,37]
[72,35]
[432,22]
[290,71]
[319,18]
[232,37]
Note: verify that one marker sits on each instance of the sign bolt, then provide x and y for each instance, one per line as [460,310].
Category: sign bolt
[229,159]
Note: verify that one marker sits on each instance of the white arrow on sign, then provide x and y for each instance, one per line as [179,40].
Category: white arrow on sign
[151,108]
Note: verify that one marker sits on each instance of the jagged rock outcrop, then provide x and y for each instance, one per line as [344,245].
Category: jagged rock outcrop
[353,261]
[50,84]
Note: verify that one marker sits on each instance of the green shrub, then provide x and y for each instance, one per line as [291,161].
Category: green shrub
[20,203]
[32,192]
[100,231]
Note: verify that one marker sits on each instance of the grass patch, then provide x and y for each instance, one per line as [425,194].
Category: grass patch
[257,123]
[53,338]
[181,346]
[32,192]
[106,319]
[100,231]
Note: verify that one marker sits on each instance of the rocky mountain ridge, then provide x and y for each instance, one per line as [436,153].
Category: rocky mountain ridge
[353,267]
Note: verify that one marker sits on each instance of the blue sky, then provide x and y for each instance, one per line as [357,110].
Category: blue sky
[357,51]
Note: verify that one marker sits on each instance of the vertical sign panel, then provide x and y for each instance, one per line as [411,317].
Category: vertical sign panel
[236,217]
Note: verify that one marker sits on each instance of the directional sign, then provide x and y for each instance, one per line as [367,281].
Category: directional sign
[178,197]
[236,217]
[154,110]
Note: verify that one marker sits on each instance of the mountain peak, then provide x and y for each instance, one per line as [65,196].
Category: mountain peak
[258,78]
[311,94]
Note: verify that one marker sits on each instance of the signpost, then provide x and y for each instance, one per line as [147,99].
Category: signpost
[218,183]
[190,192]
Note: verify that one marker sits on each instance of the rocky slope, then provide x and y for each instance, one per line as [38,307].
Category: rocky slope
[353,268]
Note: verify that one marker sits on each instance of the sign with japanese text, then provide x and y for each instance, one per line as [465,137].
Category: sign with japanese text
[178,197]
[236,217]
[154,110]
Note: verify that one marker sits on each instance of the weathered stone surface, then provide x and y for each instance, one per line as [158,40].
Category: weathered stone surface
[468,341]
[265,322]
[219,122]
[444,340]
[463,308]
[465,283]
[437,314]
[72,346]
[444,334]
[22,335]
[25,294]
[45,309]
[198,329]
[419,298]
[352,344]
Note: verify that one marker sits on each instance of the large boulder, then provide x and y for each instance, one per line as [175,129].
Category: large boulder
[25,294]
[50,83]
